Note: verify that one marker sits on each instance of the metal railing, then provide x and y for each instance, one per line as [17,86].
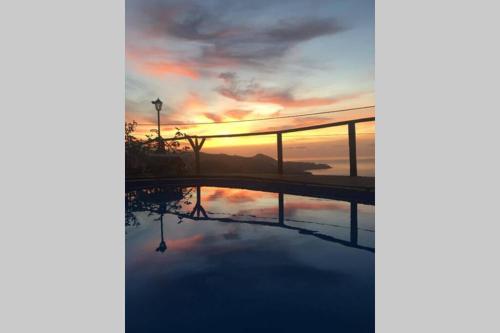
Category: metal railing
[197,141]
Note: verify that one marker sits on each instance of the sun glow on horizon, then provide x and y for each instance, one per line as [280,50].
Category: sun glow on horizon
[227,68]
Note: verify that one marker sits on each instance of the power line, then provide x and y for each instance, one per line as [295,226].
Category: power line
[260,119]
[324,135]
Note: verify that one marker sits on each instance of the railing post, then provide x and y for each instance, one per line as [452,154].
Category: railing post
[280,153]
[198,208]
[352,149]
[354,223]
[196,149]
[281,208]
[197,156]
[198,200]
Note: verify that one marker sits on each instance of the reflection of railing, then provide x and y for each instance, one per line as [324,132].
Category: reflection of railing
[198,208]
[351,124]
[362,195]
[353,242]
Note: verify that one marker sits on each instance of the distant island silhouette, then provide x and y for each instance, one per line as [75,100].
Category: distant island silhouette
[154,164]
[259,163]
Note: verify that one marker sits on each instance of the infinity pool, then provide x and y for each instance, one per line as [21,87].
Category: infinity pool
[214,259]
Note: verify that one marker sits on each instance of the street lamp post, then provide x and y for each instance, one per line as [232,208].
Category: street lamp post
[163,246]
[158,104]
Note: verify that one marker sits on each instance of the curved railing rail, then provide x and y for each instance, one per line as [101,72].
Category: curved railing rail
[197,141]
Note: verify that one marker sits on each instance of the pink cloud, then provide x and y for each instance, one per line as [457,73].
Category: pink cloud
[160,68]
[213,116]
[249,91]
[237,114]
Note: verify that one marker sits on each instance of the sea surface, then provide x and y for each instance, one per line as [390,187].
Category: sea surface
[341,166]
[215,259]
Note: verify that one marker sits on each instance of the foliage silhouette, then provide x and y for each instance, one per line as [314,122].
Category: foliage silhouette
[143,158]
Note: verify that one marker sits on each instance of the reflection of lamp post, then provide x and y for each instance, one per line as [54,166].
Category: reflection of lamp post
[163,246]
[158,104]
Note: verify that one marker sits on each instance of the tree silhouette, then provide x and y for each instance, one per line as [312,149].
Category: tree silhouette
[142,158]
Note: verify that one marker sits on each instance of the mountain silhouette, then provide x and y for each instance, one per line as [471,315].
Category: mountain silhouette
[260,163]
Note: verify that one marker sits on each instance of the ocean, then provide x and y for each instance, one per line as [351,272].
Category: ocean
[340,166]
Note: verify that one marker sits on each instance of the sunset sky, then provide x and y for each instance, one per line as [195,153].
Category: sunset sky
[218,60]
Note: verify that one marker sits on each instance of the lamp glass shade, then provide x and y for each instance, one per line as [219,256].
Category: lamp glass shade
[157,104]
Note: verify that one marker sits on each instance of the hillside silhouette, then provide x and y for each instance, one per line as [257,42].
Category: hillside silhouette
[151,164]
[260,163]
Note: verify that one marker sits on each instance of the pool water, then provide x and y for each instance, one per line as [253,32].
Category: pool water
[234,260]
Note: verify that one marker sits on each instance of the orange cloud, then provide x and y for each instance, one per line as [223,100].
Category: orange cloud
[234,195]
[213,116]
[160,68]
[184,243]
[192,102]
[250,91]
[290,102]
[291,208]
[155,61]
[159,61]
[237,113]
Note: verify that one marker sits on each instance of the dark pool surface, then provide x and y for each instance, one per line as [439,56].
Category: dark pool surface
[210,259]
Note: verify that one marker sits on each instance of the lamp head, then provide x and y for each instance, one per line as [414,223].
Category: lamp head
[162,247]
[157,104]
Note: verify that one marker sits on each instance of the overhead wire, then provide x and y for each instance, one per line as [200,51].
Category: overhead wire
[259,119]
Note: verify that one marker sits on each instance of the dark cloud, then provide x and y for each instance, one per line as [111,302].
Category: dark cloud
[295,31]
[225,42]
[250,91]
[190,22]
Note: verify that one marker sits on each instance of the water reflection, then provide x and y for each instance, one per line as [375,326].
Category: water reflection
[198,208]
[234,260]
[163,246]
[168,200]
